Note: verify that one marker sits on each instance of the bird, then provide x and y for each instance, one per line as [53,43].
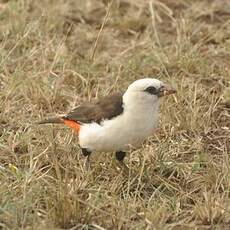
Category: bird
[119,122]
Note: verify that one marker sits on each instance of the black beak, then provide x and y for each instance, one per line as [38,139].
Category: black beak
[166,90]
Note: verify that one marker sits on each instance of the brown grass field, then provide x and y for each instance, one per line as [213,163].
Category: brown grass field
[54,54]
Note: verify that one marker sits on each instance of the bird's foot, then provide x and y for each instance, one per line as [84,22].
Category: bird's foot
[87,165]
[125,169]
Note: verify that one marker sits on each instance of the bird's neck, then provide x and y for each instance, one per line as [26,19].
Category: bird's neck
[137,104]
[138,108]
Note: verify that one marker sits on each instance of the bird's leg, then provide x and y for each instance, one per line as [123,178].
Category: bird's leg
[120,155]
[86,153]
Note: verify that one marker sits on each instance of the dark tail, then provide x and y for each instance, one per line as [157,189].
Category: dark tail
[54,120]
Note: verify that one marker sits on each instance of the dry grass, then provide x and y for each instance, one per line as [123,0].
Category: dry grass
[180,179]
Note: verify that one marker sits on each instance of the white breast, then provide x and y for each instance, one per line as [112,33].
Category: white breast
[122,132]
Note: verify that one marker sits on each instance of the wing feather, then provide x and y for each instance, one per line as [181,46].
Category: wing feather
[98,110]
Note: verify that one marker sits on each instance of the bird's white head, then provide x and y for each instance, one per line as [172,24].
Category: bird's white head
[146,92]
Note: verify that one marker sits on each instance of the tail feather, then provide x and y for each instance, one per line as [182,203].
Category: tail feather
[54,120]
[60,120]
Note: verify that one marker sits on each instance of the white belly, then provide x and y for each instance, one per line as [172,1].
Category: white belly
[121,133]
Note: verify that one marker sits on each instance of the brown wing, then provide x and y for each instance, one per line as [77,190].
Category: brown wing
[98,110]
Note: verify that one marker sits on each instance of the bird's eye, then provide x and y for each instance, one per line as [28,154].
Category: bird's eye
[151,90]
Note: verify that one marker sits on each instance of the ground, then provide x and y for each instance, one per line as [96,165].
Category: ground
[56,54]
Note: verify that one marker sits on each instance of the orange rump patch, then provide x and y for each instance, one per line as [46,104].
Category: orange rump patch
[73,125]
